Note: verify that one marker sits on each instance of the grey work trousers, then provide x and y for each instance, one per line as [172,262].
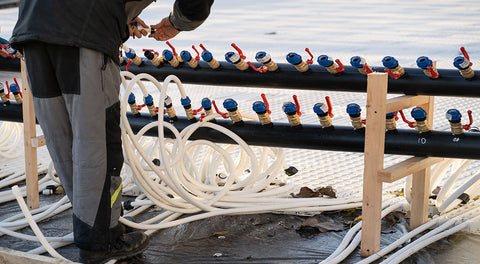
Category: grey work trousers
[76,100]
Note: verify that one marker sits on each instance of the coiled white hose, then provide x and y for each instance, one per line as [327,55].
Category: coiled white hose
[191,178]
[10,143]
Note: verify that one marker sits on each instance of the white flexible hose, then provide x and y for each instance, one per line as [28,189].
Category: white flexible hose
[18,195]
[343,250]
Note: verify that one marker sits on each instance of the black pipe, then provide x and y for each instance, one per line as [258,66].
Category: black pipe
[341,138]
[450,82]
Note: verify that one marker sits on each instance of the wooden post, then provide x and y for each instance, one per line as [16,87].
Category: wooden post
[374,151]
[421,182]
[29,132]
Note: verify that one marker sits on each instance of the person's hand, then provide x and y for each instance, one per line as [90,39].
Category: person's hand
[164,30]
[134,30]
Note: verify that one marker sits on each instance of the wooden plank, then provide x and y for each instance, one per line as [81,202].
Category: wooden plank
[38,141]
[374,151]
[29,132]
[421,181]
[419,198]
[405,101]
[406,167]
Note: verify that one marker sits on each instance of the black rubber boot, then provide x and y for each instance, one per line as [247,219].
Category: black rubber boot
[126,246]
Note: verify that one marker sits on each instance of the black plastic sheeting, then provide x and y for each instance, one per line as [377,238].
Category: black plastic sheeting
[256,238]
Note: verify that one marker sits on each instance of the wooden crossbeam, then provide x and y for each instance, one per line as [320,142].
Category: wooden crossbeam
[406,167]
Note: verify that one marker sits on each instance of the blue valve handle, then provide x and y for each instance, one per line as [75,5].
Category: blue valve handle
[230,104]
[259,107]
[206,103]
[294,58]
[453,115]
[424,62]
[325,60]
[357,61]
[186,101]
[320,109]
[207,56]
[418,113]
[289,107]
[390,62]
[353,109]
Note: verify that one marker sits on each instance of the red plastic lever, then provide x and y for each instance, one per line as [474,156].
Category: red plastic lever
[367,68]
[197,58]
[410,123]
[224,115]
[264,99]
[261,69]
[393,75]
[195,112]
[240,52]
[19,88]
[309,61]
[203,47]
[433,72]
[329,104]
[465,54]
[173,49]
[470,118]
[128,64]
[295,100]
[340,66]
[8,89]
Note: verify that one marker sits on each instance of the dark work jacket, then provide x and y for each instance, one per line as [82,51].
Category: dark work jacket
[95,24]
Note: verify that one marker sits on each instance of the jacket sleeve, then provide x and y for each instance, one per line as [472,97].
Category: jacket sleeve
[189,14]
[134,8]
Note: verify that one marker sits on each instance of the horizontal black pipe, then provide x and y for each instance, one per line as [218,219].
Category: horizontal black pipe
[405,142]
[450,83]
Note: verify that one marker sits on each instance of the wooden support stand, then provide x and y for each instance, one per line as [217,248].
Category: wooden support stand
[374,173]
[31,142]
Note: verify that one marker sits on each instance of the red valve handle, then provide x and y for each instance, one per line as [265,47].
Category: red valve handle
[410,123]
[309,61]
[173,49]
[19,88]
[470,118]
[224,115]
[465,54]
[340,67]
[195,112]
[128,64]
[393,75]
[433,72]
[295,99]
[8,89]
[261,69]
[197,58]
[367,68]
[329,104]
[240,52]
[264,99]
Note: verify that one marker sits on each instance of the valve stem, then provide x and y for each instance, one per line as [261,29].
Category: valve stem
[392,65]
[232,108]
[265,59]
[290,110]
[321,110]
[420,117]
[354,111]
[296,60]
[261,109]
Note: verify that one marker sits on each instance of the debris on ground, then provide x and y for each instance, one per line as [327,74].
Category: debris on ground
[306,192]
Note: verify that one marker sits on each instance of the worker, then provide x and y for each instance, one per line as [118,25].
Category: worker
[71,55]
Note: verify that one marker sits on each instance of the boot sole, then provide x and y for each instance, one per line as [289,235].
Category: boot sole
[119,256]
